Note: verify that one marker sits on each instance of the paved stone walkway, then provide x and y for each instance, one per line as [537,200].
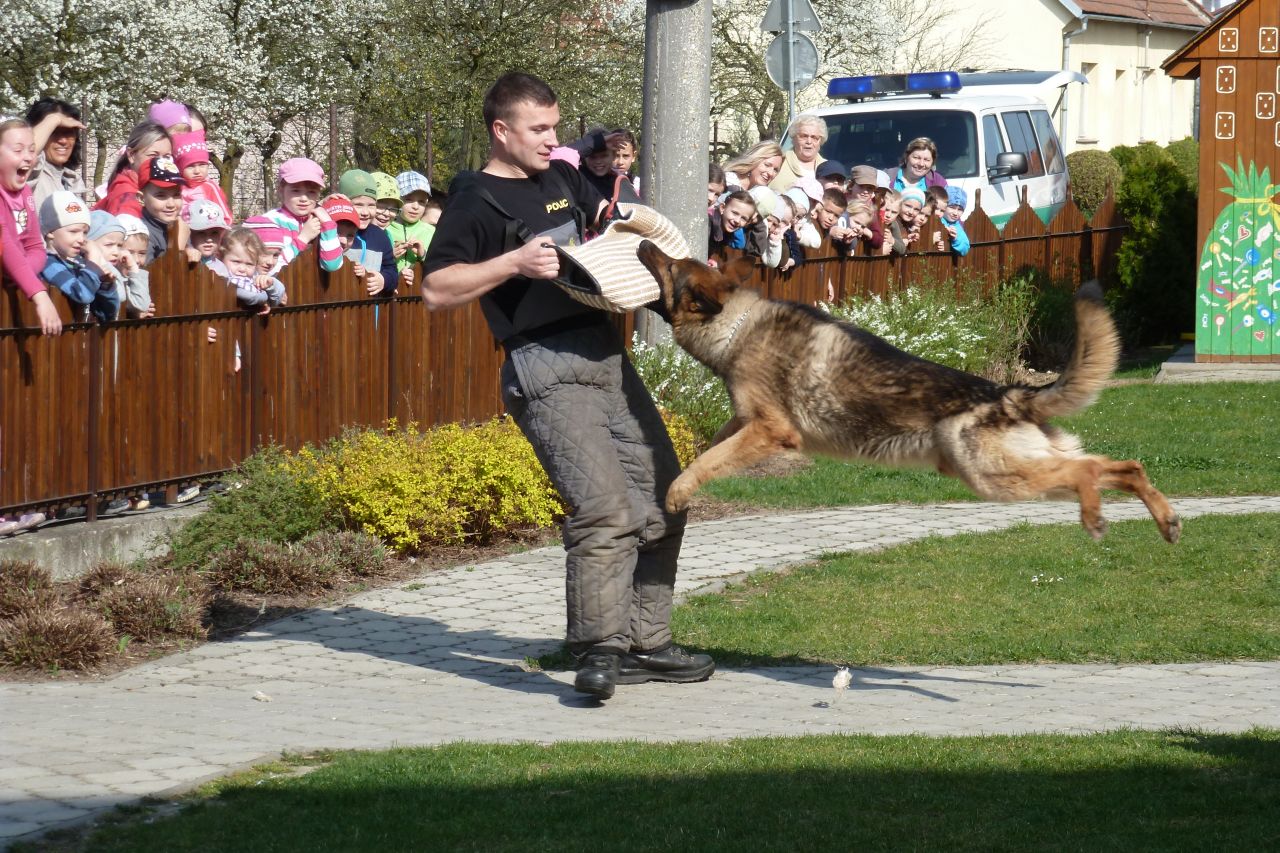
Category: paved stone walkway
[439,659]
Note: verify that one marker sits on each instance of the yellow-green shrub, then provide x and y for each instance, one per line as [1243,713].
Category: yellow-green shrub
[447,485]
[682,437]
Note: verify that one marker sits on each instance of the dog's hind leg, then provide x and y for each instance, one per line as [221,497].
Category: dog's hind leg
[730,427]
[1128,475]
[756,440]
[1035,477]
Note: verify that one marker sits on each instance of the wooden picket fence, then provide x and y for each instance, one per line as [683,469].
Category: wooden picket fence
[109,410]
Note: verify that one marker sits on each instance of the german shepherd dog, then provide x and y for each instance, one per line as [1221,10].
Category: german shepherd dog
[801,380]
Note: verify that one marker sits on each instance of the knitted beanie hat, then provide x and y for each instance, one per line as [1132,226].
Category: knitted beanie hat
[271,234]
[190,148]
[102,223]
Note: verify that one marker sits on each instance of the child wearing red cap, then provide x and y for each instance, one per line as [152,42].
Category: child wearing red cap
[161,201]
[299,183]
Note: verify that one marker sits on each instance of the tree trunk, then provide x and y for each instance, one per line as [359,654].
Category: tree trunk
[226,166]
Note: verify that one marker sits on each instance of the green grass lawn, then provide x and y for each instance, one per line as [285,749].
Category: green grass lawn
[1042,593]
[1209,439]
[1116,791]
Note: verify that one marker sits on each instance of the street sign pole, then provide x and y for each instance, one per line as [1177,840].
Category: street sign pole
[790,62]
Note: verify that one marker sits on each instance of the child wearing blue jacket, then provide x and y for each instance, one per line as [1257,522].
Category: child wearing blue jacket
[957,198]
[64,222]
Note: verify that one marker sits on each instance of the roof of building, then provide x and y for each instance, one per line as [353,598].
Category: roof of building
[1179,13]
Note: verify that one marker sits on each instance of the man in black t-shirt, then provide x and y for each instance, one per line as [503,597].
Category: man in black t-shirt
[568,383]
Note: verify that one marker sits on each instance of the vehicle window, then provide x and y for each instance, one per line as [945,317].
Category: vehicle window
[1022,138]
[992,141]
[1049,147]
[879,138]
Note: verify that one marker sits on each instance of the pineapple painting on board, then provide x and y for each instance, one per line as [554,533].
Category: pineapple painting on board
[1238,286]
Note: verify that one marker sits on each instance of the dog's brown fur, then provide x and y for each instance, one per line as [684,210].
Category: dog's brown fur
[801,380]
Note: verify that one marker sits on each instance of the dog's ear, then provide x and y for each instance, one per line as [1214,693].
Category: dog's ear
[740,269]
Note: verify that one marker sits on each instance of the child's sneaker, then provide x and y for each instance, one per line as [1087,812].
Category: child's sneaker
[139,502]
[187,494]
[116,506]
[7,526]
[30,520]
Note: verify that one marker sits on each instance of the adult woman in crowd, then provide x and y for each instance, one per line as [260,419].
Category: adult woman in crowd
[23,249]
[55,128]
[147,140]
[917,166]
[756,166]
[805,135]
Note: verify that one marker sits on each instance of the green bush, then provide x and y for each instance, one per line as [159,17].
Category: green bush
[1186,154]
[1154,298]
[1053,326]
[1124,155]
[1092,171]
[445,486]
[952,323]
[680,384]
[267,498]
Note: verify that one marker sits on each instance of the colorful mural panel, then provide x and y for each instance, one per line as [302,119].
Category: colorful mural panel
[1238,286]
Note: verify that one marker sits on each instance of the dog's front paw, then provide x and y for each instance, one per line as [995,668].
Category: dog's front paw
[679,494]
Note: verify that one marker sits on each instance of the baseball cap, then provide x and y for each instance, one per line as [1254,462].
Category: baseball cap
[357,182]
[831,169]
[882,180]
[864,175]
[189,148]
[408,182]
[204,214]
[386,187]
[61,209]
[300,170]
[159,171]
[102,223]
[340,209]
[132,225]
[957,195]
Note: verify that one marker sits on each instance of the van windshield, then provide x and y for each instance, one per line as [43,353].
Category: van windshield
[879,138]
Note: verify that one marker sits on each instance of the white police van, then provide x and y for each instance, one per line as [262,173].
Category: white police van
[993,131]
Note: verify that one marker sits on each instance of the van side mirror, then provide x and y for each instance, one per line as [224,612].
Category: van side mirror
[1008,164]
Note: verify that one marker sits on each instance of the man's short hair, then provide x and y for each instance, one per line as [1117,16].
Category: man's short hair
[512,89]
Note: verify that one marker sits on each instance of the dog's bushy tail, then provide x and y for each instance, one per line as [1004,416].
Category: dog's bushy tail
[1092,362]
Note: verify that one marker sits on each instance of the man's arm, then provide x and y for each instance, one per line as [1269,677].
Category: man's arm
[459,284]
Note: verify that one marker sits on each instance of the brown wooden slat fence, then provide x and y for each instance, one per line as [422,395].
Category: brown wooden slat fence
[107,410]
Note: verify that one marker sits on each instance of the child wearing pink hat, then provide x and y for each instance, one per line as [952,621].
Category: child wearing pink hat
[299,183]
[191,153]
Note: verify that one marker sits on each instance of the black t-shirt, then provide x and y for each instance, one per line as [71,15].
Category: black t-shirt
[471,231]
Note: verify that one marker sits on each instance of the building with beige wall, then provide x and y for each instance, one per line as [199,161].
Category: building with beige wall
[1117,44]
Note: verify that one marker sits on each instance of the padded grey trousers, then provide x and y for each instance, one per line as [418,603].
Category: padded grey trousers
[595,429]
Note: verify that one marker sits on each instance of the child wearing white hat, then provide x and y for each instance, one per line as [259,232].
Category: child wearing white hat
[64,222]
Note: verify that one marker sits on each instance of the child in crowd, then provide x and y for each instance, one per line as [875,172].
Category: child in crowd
[777,254]
[358,185]
[274,241]
[191,153]
[952,219]
[905,230]
[890,204]
[433,210]
[858,219]
[831,173]
[388,200]
[122,240]
[715,186]
[345,217]
[625,151]
[826,216]
[757,230]
[410,234]
[795,252]
[802,226]
[64,221]
[727,221]
[173,116]
[206,226]
[241,261]
[299,182]
[161,201]
[23,255]
[147,141]
[598,153]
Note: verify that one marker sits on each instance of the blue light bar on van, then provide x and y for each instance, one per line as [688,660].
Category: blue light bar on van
[926,83]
